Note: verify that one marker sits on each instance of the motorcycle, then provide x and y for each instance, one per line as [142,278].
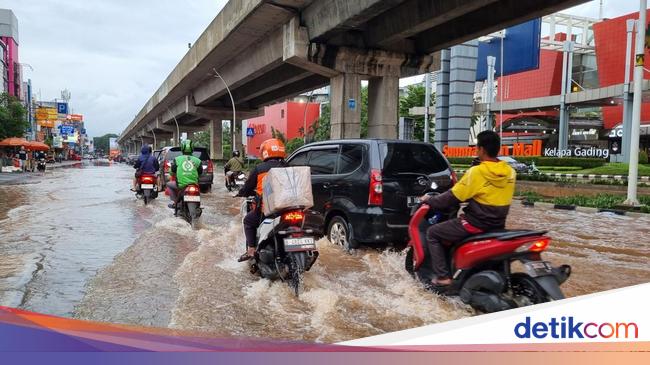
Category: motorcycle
[481,265]
[189,205]
[235,180]
[286,244]
[41,165]
[533,170]
[147,188]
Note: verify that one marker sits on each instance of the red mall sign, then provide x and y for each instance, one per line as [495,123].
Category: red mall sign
[258,128]
[517,149]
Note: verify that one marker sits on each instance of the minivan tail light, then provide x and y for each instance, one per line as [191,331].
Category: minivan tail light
[376,190]
[454,178]
[210,167]
[168,166]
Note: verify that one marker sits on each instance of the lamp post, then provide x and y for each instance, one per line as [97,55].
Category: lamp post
[633,174]
[627,95]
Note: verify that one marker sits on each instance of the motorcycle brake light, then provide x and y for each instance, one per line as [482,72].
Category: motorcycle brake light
[192,190]
[294,217]
[147,179]
[536,246]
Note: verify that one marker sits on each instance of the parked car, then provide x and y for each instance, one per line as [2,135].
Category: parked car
[365,188]
[168,154]
[519,167]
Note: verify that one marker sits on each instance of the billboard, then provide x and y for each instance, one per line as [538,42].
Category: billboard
[521,47]
[46,114]
[112,144]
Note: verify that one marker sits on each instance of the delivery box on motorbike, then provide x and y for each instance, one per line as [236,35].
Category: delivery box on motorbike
[287,187]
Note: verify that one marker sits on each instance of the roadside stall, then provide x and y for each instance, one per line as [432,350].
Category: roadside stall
[10,146]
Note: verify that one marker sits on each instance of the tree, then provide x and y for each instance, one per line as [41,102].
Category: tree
[415,95]
[202,139]
[102,143]
[12,117]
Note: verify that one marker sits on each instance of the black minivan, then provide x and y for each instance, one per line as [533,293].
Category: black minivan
[365,188]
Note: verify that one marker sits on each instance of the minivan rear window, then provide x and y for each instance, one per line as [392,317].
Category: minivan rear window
[401,158]
[200,153]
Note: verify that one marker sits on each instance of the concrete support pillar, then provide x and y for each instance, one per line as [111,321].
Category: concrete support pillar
[236,136]
[440,139]
[346,106]
[383,100]
[216,140]
[462,76]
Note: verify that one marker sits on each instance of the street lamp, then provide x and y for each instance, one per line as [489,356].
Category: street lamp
[633,173]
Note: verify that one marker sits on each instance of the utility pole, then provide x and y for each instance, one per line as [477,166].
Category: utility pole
[427,103]
[491,62]
[633,174]
[627,95]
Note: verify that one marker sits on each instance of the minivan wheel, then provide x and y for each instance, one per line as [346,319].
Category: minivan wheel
[338,233]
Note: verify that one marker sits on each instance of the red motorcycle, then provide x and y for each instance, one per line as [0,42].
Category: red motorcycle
[481,265]
[147,188]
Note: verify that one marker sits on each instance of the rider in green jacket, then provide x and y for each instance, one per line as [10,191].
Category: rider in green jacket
[186,168]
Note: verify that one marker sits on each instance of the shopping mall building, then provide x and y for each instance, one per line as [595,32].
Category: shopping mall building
[529,100]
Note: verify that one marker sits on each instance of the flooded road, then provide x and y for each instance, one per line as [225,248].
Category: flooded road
[78,244]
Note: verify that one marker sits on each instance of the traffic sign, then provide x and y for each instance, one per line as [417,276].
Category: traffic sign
[352,104]
[250,132]
[62,108]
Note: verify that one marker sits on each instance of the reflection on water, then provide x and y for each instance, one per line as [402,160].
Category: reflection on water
[80,245]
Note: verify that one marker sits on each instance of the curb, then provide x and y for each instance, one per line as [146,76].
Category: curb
[580,209]
[584,176]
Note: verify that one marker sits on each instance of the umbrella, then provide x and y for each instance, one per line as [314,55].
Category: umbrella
[13,142]
[37,146]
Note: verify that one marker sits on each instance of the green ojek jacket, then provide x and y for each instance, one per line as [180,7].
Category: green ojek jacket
[187,169]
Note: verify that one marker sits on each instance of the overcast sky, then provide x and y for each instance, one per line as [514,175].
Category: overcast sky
[113,54]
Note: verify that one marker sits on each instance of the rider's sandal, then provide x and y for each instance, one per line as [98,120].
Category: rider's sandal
[244,257]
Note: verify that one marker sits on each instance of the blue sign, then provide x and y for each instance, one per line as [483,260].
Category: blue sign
[83,131]
[352,104]
[521,47]
[62,108]
[250,132]
[66,129]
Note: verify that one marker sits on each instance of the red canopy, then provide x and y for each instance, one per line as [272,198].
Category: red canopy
[37,146]
[14,142]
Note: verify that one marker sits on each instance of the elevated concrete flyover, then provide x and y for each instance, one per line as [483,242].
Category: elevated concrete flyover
[270,50]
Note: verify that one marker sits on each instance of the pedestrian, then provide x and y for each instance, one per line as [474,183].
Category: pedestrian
[22,156]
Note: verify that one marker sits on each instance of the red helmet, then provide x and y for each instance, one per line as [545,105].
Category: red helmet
[272,148]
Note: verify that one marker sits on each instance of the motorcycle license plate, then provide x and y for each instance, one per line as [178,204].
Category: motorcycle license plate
[146,186]
[538,268]
[192,198]
[299,244]
[239,183]
[412,201]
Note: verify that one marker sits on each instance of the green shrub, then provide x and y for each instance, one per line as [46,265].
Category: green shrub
[643,157]
[460,160]
[584,163]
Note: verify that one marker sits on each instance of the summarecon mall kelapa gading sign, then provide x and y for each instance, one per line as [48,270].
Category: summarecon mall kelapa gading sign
[534,149]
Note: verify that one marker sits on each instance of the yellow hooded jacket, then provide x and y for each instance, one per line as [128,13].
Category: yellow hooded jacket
[488,188]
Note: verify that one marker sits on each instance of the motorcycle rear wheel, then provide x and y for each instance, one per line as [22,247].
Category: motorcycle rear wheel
[524,285]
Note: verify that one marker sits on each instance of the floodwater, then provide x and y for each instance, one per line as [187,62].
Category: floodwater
[78,244]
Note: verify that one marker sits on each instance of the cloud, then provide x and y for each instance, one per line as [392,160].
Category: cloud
[112,55]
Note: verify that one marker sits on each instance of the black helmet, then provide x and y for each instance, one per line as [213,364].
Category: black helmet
[235,153]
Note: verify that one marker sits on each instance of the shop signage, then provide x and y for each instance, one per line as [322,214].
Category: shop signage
[591,152]
[62,108]
[258,128]
[46,114]
[66,129]
[75,117]
[46,123]
[517,149]
[57,142]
